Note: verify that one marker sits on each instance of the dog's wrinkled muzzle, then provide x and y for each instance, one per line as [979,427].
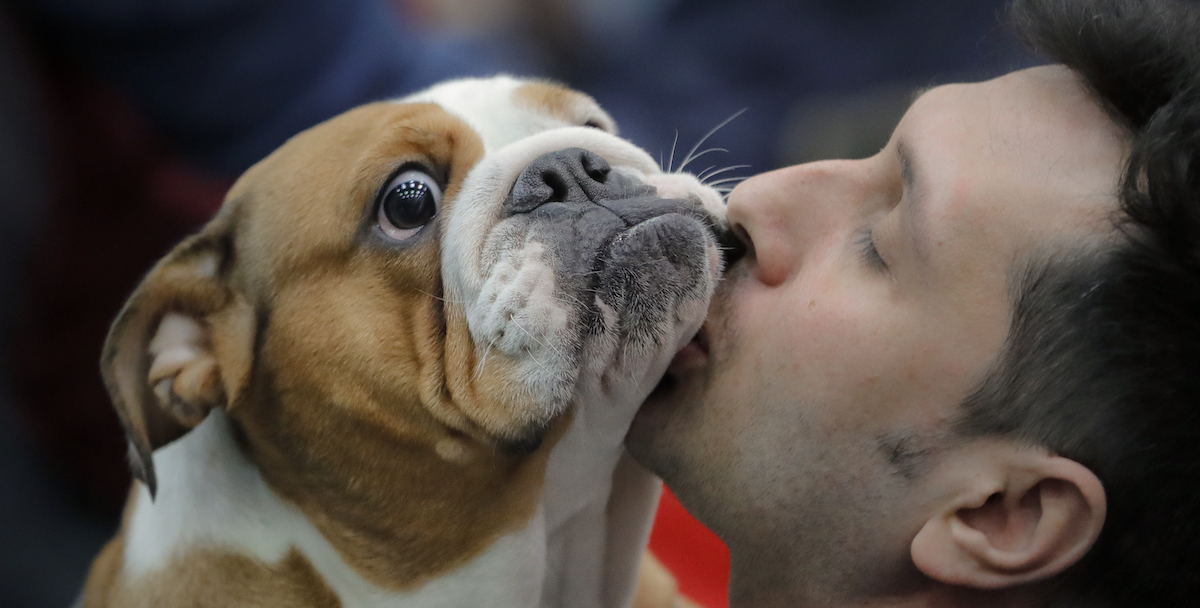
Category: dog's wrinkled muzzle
[603,223]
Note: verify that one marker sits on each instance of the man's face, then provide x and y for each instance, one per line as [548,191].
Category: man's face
[875,297]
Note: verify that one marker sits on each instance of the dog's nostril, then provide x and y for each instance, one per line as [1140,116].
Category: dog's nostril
[595,166]
[558,186]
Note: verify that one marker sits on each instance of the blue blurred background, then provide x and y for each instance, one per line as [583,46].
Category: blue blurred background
[122,122]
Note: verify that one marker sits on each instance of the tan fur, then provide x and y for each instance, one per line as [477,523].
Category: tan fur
[560,102]
[100,588]
[188,581]
[357,338]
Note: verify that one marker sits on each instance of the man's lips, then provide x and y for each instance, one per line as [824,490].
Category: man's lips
[692,356]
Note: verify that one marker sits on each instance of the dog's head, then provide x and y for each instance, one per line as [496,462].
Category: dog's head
[436,275]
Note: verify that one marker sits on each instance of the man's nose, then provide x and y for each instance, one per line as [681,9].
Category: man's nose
[785,214]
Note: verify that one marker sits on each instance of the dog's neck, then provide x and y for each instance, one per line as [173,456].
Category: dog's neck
[212,497]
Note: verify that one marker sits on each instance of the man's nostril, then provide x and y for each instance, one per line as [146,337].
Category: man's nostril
[735,243]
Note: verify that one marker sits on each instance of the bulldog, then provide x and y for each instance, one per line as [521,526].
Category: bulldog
[397,367]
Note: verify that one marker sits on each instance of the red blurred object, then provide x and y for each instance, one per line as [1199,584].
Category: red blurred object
[697,558]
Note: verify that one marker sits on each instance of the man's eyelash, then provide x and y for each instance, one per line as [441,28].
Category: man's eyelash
[866,247]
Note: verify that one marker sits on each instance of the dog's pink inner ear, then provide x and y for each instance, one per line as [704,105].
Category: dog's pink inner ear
[183,372]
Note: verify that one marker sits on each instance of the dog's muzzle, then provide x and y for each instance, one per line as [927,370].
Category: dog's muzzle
[611,234]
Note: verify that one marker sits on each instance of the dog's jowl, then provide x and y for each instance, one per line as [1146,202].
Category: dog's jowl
[396,368]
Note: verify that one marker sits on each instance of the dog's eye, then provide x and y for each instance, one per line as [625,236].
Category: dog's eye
[409,202]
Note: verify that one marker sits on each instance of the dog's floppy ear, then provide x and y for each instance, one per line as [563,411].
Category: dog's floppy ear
[181,346]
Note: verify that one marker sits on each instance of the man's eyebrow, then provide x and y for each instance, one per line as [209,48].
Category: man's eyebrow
[906,169]
[906,166]
[912,216]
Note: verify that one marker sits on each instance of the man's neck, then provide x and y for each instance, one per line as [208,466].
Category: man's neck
[799,577]
[758,592]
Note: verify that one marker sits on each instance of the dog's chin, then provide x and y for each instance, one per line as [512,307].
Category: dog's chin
[687,366]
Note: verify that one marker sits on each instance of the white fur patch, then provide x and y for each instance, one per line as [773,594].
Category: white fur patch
[684,185]
[480,103]
[211,496]
[518,312]
[520,292]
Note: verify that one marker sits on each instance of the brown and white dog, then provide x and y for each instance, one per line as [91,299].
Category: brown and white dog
[397,367]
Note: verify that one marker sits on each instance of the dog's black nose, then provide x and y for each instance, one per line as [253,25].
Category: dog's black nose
[573,175]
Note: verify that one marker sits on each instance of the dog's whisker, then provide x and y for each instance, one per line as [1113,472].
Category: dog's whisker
[710,133]
[671,160]
[720,171]
[483,361]
[728,180]
[440,298]
[700,175]
[570,298]
[698,155]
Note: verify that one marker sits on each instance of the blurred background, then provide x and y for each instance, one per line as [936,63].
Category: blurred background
[122,123]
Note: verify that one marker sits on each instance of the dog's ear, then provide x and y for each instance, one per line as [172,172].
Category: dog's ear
[181,346]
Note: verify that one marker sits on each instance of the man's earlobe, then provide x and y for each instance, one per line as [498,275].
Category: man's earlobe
[1021,516]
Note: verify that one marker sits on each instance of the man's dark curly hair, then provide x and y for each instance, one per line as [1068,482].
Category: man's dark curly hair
[1102,363]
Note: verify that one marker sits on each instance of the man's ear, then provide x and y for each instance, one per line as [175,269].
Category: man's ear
[1013,515]
[180,346]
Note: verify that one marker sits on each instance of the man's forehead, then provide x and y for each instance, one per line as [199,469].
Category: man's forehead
[1029,147]
[1046,109]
